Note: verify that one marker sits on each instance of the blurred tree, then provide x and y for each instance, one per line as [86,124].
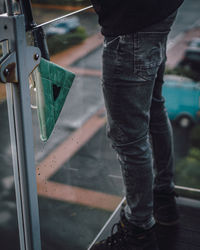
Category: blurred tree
[59,43]
[187,171]
[64,2]
[185,71]
[195,137]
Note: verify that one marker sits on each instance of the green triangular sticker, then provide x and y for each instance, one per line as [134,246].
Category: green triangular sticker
[52,87]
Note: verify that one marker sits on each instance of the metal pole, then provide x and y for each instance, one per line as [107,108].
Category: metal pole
[9,7]
[26,9]
[20,120]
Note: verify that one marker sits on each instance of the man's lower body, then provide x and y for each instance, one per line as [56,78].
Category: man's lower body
[133,70]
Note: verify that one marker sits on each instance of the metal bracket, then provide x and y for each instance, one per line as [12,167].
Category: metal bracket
[8,64]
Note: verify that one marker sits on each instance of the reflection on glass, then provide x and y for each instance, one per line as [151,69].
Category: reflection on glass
[79,185]
[8,213]
[9,238]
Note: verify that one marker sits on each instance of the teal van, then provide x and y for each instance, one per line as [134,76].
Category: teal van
[182,100]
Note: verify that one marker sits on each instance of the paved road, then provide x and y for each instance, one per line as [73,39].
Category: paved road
[187,17]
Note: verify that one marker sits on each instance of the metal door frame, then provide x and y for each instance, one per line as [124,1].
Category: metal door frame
[18,61]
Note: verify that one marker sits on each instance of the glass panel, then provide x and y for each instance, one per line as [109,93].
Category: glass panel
[8,213]
[79,185]
[78,175]
[182,93]
[47,10]
[9,238]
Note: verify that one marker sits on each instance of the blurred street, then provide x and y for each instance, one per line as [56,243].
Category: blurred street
[78,176]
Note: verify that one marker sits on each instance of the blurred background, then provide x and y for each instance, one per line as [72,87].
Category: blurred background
[78,176]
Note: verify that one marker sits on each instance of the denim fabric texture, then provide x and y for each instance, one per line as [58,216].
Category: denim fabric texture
[133,69]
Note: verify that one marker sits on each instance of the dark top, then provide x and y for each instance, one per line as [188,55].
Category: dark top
[119,17]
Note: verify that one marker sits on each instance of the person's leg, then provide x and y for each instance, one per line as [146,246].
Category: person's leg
[165,209]
[128,80]
[130,65]
[162,138]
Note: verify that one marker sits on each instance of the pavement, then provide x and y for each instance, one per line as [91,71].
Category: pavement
[176,51]
[78,176]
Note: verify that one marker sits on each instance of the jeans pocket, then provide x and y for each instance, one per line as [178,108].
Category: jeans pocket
[111,64]
[111,68]
[151,52]
[118,57]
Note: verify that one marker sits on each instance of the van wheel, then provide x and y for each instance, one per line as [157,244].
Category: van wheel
[184,121]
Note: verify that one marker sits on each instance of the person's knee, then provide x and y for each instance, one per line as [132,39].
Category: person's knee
[137,152]
[158,112]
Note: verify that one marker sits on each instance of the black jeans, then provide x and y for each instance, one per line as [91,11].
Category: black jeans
[133,69]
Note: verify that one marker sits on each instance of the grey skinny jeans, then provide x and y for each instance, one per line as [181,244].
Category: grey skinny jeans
[133,69]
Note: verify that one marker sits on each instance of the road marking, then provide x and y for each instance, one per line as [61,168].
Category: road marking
[75,53]
[70,146]
[66,193]
[85,72]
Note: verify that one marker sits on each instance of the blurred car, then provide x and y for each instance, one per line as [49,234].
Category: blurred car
[182,100]
[192,53]
[63,27]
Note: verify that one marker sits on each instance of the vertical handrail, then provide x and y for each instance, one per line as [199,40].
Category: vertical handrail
[21,132]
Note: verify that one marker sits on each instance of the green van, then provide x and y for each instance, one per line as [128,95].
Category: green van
[182,100]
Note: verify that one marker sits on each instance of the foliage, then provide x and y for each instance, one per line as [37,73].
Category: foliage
[188,169]
[59,43]
[195,136]
[184,71]
[194,153]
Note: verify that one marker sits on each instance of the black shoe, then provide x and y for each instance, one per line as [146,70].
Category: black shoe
[165,208]
[128,237]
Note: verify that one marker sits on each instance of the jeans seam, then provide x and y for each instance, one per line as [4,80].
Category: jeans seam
[133,142]
[135,47]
